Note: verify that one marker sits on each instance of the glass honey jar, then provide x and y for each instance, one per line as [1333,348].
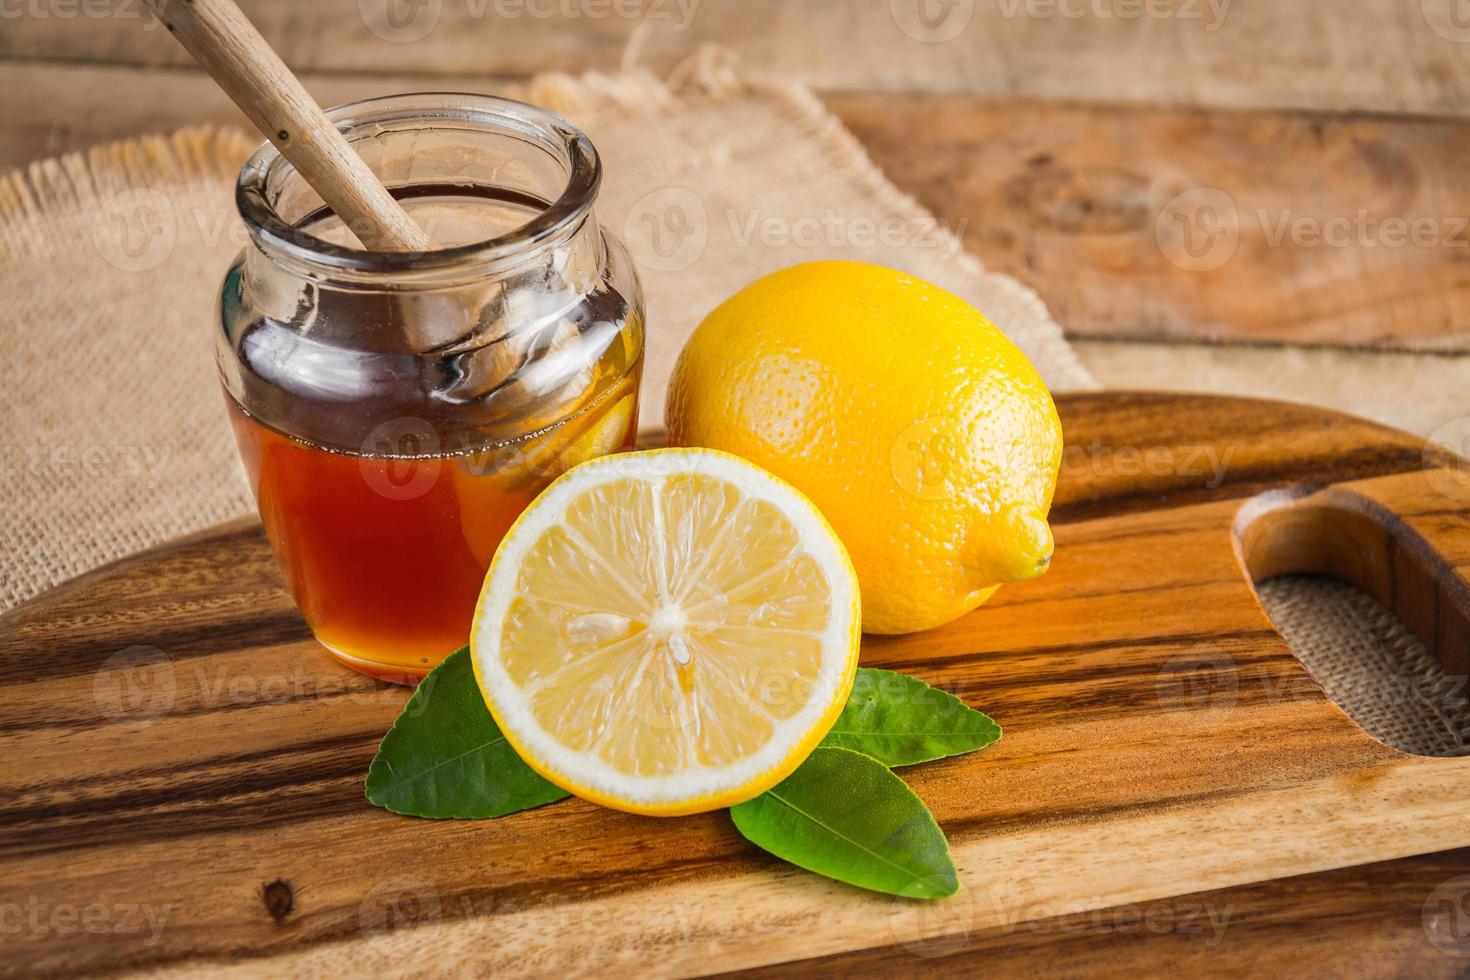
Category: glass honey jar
[396,411]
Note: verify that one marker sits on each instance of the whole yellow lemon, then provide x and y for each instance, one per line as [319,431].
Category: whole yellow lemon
[923,434]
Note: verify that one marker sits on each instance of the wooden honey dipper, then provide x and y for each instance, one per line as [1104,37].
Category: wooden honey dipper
[224,42]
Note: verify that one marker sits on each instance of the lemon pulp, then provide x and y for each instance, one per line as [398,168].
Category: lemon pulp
[667,632]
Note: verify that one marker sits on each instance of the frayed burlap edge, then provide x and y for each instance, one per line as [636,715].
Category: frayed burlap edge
[85,179]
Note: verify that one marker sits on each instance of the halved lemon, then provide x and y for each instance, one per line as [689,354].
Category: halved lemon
[667,632]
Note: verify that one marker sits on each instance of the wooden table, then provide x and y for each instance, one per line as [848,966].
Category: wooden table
[1038,125]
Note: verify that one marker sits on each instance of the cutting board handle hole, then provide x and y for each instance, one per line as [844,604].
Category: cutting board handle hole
[1374,611]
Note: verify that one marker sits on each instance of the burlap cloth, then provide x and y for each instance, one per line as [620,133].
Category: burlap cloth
[115,434]
[1374,668]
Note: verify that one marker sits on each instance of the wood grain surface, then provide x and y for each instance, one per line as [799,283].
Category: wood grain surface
[191,755]
[1381,919]
[1379,55]
[1194,224]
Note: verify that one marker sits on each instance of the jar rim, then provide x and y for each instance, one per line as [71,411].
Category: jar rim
[551,131]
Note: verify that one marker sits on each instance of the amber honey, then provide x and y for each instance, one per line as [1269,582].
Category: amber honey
[385,551]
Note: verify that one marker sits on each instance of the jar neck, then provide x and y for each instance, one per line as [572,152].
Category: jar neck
[498,184]
[469,304]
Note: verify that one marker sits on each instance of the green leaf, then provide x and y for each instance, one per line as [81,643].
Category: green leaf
[900,721]
[846,816]
[446,757]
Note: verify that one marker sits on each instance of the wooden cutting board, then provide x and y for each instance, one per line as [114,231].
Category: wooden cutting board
[185,767]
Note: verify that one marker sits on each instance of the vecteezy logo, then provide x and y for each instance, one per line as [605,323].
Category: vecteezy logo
[922,457]
[932,21]
[1446,917]
[400,21]
[1447,458]
[1450,19]
[134,685]
[667,230]
[397,903]
[660,706]
[1192,685]
[1199,230]
[400,459]
[932,929]
[135,230]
